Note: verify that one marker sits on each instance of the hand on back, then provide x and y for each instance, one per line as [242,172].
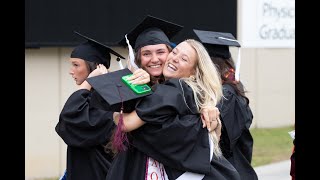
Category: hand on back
[101,69]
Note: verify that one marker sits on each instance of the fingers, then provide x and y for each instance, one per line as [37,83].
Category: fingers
[213,125]
[137,74]
[140,76]
[214,113]
[207,119]
[140,81]
[203,121]
[102,69]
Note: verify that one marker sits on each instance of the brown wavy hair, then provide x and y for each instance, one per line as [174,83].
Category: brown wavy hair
[226,69]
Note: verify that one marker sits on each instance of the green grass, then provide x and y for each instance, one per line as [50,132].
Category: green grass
[271,145]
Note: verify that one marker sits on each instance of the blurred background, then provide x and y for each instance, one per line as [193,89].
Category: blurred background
[264,28]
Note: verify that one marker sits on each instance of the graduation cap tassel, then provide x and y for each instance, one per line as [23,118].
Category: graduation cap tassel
[120,137]
[131,55]
[237,73]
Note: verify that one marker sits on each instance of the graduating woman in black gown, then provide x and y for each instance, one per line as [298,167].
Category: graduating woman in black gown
[83,127]
[236,141]
[236,116]
[170,139]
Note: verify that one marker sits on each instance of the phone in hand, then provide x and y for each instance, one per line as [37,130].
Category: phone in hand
[137,88]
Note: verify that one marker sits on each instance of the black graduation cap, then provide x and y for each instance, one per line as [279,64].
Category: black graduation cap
[150,31]
[94,51]
[110,93]
[217,43]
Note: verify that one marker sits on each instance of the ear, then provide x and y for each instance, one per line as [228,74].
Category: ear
[194,71]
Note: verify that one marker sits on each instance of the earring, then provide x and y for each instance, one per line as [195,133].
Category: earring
[192,78]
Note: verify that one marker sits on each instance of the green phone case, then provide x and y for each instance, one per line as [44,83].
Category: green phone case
[138,89]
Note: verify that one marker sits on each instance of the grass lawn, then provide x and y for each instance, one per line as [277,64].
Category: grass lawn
[271,145]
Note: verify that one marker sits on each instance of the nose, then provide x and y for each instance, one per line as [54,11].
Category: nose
[175,58]
[70,71]
[154,58]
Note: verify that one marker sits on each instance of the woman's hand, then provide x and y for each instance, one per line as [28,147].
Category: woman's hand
[101,69]
[139,76]
[116,117]
[209,117]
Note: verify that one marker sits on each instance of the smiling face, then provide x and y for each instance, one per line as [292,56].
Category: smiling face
[180,62]
[78,70]
[153,58]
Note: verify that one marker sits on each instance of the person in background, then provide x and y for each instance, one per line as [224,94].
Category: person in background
[293,162]
[167,126]
[235,113]
[293,156]
[83,127]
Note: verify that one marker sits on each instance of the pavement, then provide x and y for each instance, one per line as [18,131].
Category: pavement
[274,171]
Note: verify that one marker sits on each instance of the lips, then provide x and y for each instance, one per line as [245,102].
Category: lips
[155,66]
[171,67]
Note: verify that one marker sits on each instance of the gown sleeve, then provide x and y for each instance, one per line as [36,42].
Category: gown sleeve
[173,132]
[82,125]
[236,118]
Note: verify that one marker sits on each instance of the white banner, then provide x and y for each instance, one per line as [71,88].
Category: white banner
[268,23]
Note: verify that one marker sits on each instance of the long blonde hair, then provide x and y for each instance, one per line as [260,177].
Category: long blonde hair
[206,85]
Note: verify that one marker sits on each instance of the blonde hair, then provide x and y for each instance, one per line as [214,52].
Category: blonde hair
[206,85]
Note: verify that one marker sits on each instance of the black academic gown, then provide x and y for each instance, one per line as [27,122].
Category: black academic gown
[236,140]
[172,135]
[85,130]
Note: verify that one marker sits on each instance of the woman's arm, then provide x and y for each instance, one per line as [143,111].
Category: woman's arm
[131,121]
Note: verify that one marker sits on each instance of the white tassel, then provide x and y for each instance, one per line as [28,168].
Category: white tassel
[131,54]
[237,73]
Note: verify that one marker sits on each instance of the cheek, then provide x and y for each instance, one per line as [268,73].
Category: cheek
[166,73]
[188,71]
[82,71]
[163,59]
[144,61]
